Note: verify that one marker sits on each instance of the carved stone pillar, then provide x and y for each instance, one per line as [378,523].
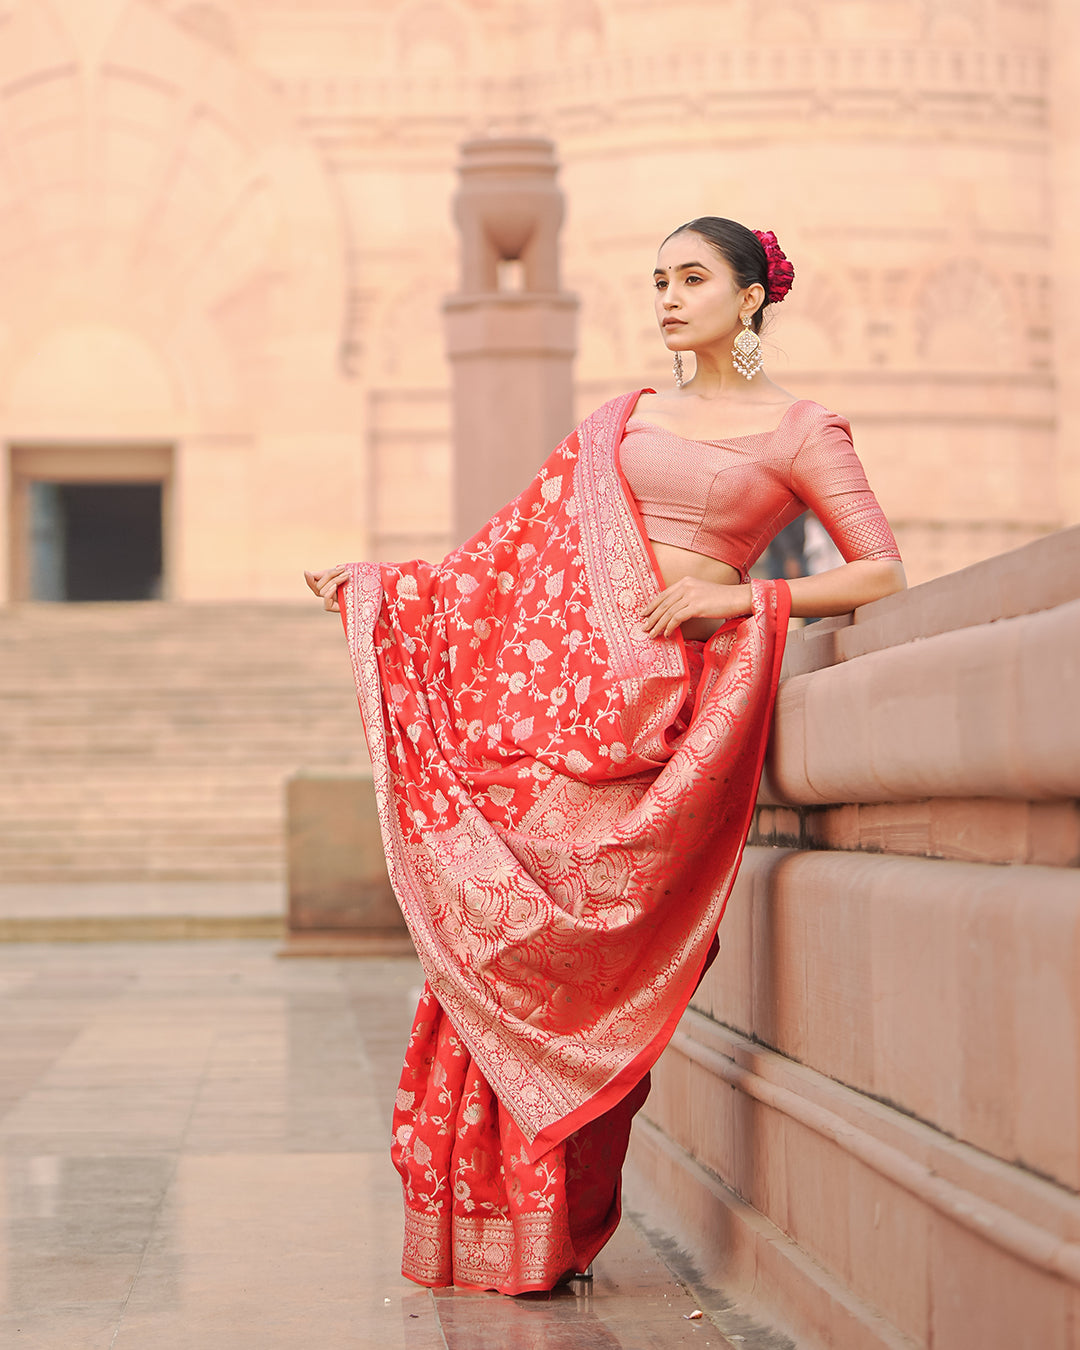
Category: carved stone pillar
[510,330]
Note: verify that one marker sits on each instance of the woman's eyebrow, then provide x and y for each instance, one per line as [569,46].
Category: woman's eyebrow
[682,267]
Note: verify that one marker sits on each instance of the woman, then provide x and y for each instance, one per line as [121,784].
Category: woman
[567,719]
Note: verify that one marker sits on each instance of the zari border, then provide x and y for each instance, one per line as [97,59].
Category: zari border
[512,1255]
[624,577]
[360,604]
[425,1256]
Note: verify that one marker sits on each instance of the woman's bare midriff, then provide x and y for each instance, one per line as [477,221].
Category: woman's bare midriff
[675,563]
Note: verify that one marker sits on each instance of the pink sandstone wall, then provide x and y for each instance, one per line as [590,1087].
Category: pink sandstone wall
[225,228]
[866,1131]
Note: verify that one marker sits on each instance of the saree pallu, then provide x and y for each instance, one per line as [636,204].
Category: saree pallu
[564,802]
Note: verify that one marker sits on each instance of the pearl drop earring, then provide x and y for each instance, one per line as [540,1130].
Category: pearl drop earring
[747,351]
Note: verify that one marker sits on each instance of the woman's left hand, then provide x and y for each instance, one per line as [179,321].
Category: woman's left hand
[326,583]
[692,598]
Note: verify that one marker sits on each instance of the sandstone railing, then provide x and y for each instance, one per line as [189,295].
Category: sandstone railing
[866,1131]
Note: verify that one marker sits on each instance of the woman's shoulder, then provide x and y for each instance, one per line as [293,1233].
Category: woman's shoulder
[633,403]
[817,419]
[621,403]
[820,437]
[611,417]
[813,411]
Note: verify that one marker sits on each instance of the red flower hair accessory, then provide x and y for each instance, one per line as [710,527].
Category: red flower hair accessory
[781,273]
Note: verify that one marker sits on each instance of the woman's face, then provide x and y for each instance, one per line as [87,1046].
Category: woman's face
[698,302]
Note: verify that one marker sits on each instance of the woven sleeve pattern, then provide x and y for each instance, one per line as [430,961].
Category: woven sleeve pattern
[827,477]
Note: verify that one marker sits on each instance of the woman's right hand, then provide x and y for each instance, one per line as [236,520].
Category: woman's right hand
[325,585]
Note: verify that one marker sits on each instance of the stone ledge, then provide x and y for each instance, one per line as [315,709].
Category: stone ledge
[1035,1219]
[968,829]
[981,712]
[1040,575]
[867,1208]
[761,1274]
[946,988]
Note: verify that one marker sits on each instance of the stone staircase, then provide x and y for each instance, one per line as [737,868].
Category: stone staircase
[151,741]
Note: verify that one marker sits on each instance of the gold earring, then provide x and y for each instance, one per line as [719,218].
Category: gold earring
[676,366]
[747,351]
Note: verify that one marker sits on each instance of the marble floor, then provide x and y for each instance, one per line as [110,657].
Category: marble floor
[193,1157]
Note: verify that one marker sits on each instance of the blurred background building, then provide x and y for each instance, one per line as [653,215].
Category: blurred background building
[226,238]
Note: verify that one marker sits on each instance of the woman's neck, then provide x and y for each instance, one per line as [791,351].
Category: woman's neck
[717,381]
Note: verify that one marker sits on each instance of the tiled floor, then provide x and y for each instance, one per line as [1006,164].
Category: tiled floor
[193,1157]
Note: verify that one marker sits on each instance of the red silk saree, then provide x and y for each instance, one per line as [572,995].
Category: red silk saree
[564,802]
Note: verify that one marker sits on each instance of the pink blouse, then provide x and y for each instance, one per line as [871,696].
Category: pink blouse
[728,498]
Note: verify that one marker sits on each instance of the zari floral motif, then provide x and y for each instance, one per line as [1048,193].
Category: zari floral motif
[561,833]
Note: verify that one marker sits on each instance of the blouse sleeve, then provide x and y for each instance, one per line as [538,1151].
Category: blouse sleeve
[827,477]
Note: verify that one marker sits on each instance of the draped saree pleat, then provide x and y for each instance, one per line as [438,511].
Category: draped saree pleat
[564,802]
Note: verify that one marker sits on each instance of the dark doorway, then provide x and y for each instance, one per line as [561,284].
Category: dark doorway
[95,541]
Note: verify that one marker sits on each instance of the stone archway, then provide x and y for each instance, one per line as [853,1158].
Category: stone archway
[158,196]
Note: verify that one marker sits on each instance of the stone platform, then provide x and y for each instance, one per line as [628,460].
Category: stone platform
[867,1125]
[193,1153]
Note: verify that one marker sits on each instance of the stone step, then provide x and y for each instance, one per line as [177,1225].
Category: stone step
[124,845]
[152,741]
[166,741]
[231,732]
[131,782]
[123,615]
[102,864]
[53,831]
[201,825]
[262,761]
[163,795]
[121,843]
[290,715]
[205,701]
[17,811]
[184,669]
[45,705]
[258,727]
[126,777]
[320,688]
[141,868]
[265,655]
[148,731]
[134,811]
[258,849]
[296,653]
